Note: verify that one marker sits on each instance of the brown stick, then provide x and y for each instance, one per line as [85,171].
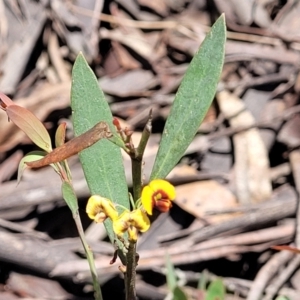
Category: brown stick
[74,146]
[268,272]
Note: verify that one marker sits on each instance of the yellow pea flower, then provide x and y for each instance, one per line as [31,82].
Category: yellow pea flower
[158,193]
[99,208]
[132,222]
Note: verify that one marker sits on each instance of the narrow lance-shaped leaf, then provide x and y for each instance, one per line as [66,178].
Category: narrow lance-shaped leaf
[171,275]
[60,134]
[102,163]
[177,292]
[31,125]
[31,156]
[5,101]
[70,196]
[192,100]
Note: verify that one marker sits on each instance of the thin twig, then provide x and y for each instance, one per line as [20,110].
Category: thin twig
[295,163]
[287,114]
[94,37]
[267,272]
[269,211]
[282,277]
[240,36]
[126,22]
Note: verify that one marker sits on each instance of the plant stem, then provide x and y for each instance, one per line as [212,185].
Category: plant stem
[145,137]
[131,272]
[136,162]
[90,257]
[70,197]
[137,159]
[136,165]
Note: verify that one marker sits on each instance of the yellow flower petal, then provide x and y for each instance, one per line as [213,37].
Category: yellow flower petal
[164,186]
[156,190]
[132,234]
[121,224]
[129,221]
[99,208]
[140,220]
[147,199]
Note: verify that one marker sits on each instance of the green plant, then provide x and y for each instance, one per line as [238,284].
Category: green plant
[99,139]
[214,291]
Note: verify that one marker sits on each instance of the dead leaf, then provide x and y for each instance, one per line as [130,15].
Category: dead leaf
[126,60]
[287,25]
[131,83]
[157,5]
[199,197]
[289,133]
[36,287]
[252,180]
[22,39]
[135,41]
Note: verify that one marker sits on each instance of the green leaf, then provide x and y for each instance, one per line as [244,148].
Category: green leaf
[70,196]
[31,156]
[178,294]
[102,163]
[116,139]
[171,275]
[31,125]
[216,291]
[192,100]
[203,278]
